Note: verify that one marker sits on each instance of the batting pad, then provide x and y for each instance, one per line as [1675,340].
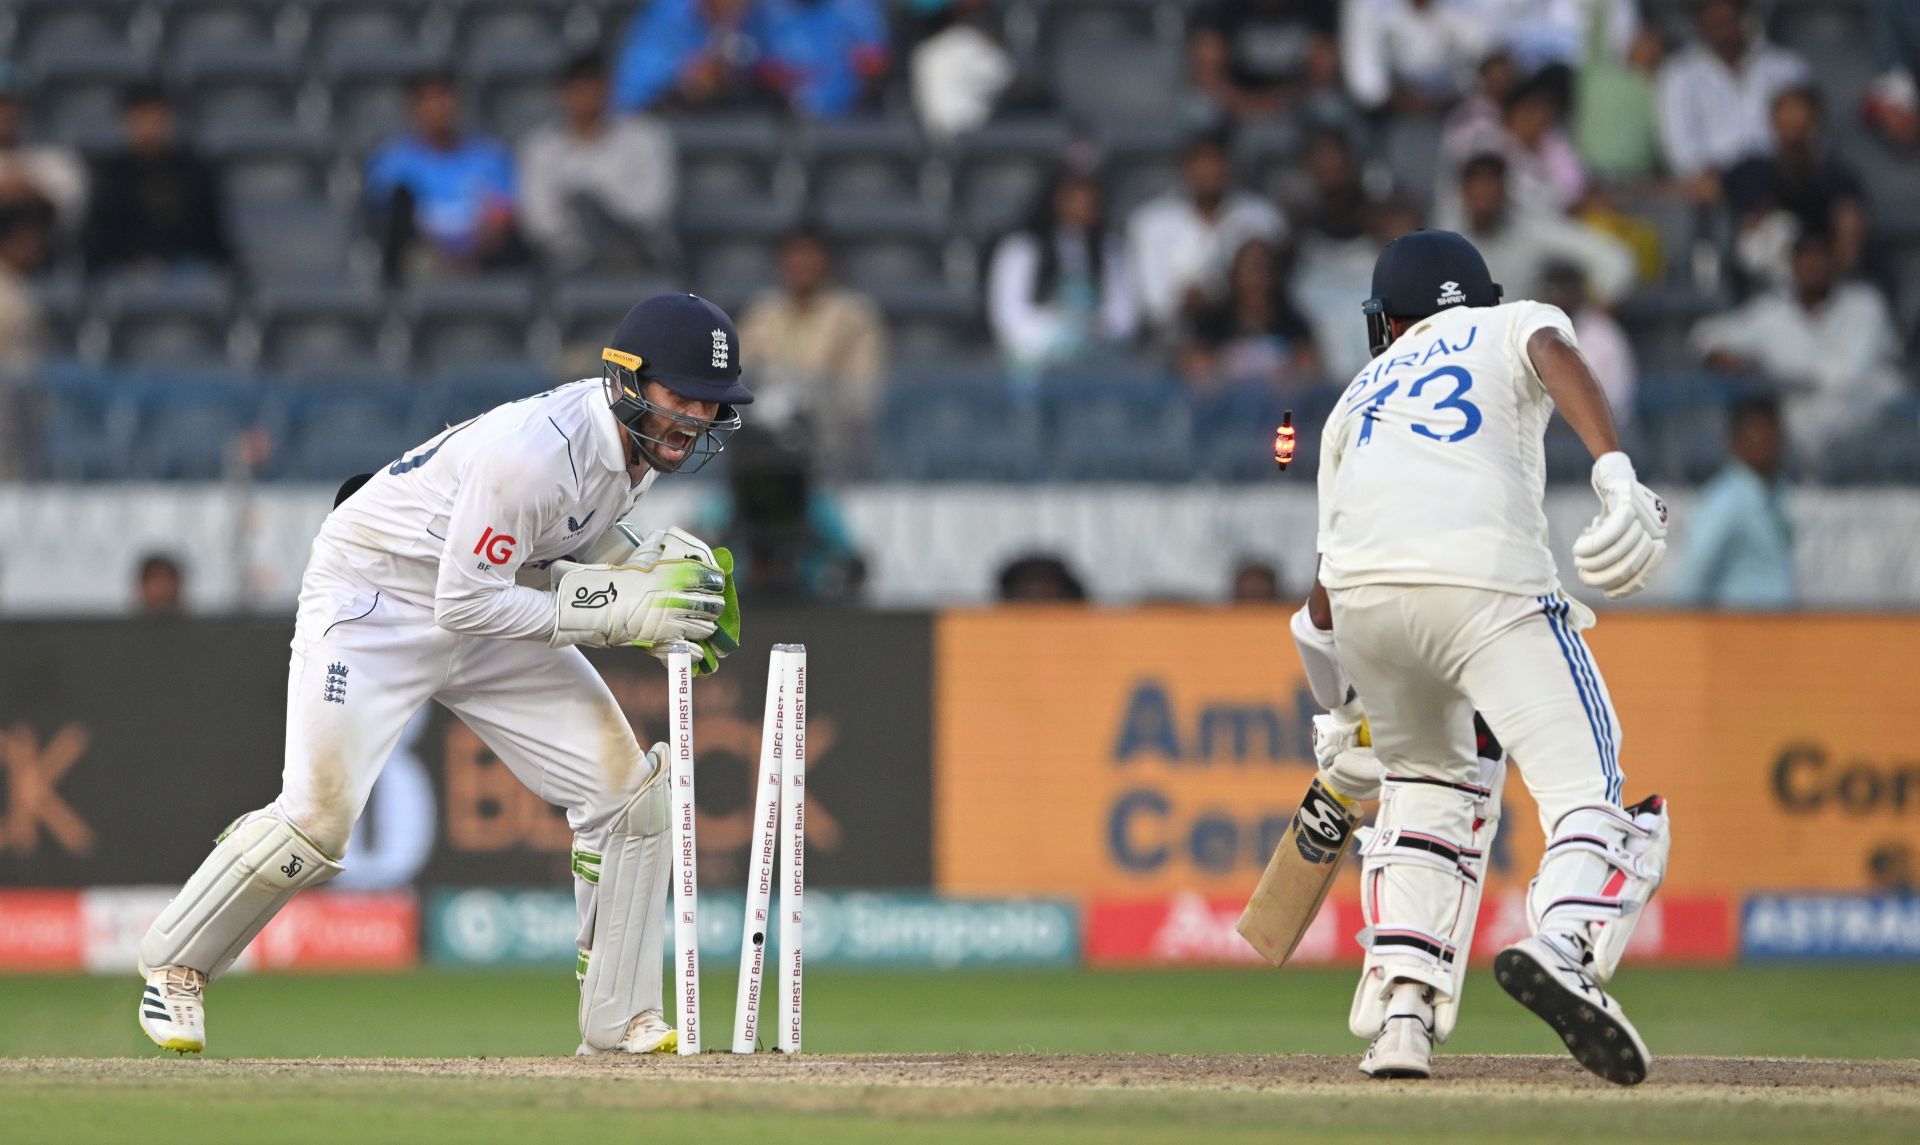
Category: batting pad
[627,931]
[261,861]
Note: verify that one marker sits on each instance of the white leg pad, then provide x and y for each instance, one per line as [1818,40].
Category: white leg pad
[1601,866]
[1423,867]
[623,939]
[259,863]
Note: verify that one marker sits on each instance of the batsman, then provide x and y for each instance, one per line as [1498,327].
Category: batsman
[1437,598]
[471,571]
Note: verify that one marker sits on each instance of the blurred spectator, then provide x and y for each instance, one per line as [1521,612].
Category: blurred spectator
[786,532]
[159,588]
[1892,104]
[444,199]
[1258,57]
[1519,244]
[1255,335]
[1334,202]
[1331,273]
[687,54]
[1542,33]
[1616,126]
[960,70]
[1039,577]
[1739,543]
[815,351]
[1715,95]
[156,204]
[822,58]
[1800,187]
[1544,172]
[598,191]
[1180,243]
[825,58]
[1255,582]
[1828,346]
[1493,81]
[1059,287]
[23,332]
[1415,56]
[47,178]
[1601,339]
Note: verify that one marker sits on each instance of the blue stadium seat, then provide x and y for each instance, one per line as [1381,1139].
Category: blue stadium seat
[79,86]
[228,82]
[509,23]
[516,84]
[1001,171]
[330,434]
[1114,81]
[1123,424]
[87,433]
[337,24]
[327,326]
[586,310]
[368,80]
[220,22]
[461,392]
[865,159]
[268,161]
[174,320]
[61,26]
[980,432]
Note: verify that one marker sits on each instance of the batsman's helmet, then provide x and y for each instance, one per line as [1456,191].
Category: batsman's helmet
[1420,274]
[689,346]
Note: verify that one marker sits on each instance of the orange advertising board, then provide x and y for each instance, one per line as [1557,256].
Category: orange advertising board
[1101,753]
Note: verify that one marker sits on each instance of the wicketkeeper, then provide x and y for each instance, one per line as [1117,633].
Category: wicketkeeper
[469,571]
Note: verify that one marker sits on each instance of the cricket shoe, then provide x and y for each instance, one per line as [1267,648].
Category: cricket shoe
[173,1009]
[647,1033]
[1404,1047]
[1547,975]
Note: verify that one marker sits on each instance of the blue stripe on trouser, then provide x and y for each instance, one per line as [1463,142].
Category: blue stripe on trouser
[1608,724]
[1594,713]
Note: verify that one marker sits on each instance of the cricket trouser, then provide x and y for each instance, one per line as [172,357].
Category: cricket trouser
[1425,657]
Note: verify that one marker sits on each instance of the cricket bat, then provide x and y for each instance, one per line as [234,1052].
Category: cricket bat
[1300,873]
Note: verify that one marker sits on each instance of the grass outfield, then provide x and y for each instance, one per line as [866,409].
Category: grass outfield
[1826,1012]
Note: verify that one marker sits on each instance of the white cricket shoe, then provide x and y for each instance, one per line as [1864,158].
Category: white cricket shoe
[173,1009]
[647,1033]
[1404,1048]
[1547,974]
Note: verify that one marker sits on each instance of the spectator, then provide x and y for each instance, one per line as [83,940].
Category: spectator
[1332,273]
[1800,187]
[1829,347]
[1333,204]
[785,531]
[1544,172]
[1058,287]
[1255,582]
[824,58]
[158,589]
[1546,33]
[444,199]
[1739,543]
[596,191]
[1616,126]
[1255,335]
[1481,110]
[1180,243]
[1039,578]
[960,70]
[1604,344]
[1892,104]
[49,179]
[1715,96]
[1256,58]
[156,204]
[688,54]
[1414,56]
[815,351]
[22,331]
[1518,245]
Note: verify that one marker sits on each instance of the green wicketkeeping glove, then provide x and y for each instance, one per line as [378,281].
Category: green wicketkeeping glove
[726,632]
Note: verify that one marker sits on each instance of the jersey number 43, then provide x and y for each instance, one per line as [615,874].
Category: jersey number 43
[1455,401]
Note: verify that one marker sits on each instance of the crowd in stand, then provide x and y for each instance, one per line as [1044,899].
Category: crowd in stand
[1562,131]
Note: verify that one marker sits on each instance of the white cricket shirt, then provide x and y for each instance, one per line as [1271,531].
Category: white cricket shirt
[1432,468]
[448,525]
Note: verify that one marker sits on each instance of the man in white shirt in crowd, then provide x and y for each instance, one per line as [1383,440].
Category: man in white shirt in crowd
[1830,347]
[596,190]
[1716,96]
[1418,55]
[1181,243]
[470,571]
[1520,244]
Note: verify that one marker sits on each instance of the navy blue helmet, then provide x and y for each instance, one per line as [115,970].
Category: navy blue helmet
[1423,273]
[689,346]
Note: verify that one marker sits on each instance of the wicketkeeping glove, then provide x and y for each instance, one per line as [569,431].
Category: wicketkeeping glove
[1618,552]
[671,589]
